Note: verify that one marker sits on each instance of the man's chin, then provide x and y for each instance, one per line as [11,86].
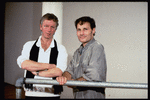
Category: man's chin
[47,37]
[82,40]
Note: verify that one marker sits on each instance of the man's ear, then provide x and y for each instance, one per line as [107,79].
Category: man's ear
[40,27]
[93,31]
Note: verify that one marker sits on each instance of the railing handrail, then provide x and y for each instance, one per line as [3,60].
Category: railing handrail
[89,84]
[21,81]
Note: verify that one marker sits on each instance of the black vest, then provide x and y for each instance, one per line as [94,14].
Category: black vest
[53,60]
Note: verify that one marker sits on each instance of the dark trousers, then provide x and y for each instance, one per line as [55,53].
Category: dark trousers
[28,97]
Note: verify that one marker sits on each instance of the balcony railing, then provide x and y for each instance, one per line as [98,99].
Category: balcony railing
[21,81]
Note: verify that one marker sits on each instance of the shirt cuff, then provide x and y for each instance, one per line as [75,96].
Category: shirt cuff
[20,60]
[85,77]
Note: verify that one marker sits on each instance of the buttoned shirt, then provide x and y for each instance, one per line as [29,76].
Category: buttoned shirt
[88,62]
[43,57]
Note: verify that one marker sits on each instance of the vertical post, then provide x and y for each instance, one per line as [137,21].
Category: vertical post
[18,93]
[19,83]
[57,9]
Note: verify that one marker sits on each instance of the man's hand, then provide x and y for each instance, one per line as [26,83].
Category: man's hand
[62,80]
[51,65]
[53,71]
[34,73]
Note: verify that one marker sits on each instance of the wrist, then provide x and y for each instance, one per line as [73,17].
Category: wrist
[81,79]
[37,73]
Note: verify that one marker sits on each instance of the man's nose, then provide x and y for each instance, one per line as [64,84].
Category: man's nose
[82,32]
[49,29]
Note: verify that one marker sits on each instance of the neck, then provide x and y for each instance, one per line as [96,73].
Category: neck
[84,44]
[45,40]
[45,43]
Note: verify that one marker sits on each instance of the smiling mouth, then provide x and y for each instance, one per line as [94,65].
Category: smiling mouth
[82,37]
[48,33]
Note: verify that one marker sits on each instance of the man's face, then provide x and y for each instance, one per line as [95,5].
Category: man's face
[48,28]
[85,33]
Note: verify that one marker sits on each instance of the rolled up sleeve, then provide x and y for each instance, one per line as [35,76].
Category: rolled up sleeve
[25,53]
[71,66]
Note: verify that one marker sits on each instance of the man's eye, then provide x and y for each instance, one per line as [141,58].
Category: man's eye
[85,29]
[45,25]
[78,30]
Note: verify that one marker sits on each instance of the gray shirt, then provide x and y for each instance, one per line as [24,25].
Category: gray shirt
[89,62]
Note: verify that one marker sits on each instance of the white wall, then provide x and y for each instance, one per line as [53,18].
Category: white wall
[122,28]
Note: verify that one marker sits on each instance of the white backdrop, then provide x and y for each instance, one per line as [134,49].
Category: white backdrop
[122,29]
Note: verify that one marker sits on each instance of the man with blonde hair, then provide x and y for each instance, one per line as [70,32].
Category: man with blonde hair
[43,58]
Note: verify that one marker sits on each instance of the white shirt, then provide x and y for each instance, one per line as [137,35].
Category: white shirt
[43,57]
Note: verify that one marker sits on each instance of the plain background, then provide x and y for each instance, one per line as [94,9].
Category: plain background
[120,26]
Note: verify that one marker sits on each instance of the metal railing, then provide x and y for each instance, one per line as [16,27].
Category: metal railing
[21,81]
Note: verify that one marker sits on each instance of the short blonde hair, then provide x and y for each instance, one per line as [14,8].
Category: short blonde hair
[49,16]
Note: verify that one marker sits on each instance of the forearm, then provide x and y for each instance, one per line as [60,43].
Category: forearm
[81,79]
[34,66]
[54,72]
[67,75]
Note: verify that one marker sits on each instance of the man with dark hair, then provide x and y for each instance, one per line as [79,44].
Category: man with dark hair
[43,58]
[82,20]
[88,62]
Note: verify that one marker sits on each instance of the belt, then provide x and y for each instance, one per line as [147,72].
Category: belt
[77,89]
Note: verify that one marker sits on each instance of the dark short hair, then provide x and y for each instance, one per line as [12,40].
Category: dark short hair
[84,19]
[49,16]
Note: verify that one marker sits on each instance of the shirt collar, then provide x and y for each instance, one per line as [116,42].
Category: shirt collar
[90,42]
[38,44]
[81,49]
